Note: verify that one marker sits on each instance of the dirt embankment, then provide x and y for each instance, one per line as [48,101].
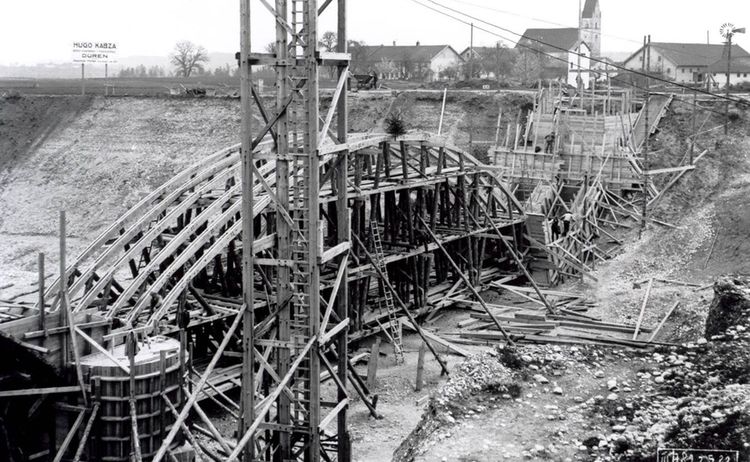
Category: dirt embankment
[469,121]
[93,158]
[598,404]
[708,217]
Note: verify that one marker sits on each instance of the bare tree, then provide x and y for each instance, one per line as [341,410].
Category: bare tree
[328,41]
[188,58]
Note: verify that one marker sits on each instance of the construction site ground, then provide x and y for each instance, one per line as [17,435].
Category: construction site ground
[96,157]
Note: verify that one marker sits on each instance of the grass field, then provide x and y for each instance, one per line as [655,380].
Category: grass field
[135,86]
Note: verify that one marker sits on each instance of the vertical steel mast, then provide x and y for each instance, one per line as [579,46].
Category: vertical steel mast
[284,417]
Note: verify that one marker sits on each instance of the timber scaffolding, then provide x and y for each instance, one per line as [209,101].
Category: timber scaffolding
[171,266]
[591,167]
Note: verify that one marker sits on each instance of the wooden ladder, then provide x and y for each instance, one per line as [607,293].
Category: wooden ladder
[393,324]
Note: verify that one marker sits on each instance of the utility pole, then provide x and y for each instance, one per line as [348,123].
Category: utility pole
[728,30]
[692,142]
[471,53]
[729,75]
[647,128]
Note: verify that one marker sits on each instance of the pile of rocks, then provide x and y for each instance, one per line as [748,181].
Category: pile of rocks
[696,395]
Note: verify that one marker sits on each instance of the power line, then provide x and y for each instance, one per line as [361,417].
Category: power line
[616,66]
[545,21]
[552,23]
[613,79]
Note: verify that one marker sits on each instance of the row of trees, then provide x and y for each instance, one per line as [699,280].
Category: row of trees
[187,59]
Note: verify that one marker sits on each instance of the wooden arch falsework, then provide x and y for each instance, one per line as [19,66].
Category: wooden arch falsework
[350,234]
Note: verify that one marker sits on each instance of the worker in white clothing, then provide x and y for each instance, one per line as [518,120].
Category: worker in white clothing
[567,220]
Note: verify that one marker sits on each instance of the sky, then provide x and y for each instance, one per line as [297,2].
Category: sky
[39,31]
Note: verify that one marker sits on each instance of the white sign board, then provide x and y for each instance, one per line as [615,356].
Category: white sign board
[94,52]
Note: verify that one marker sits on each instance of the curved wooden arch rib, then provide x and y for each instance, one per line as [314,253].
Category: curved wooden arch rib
[219,245]
[142,223]
[148,237]
[136,211]
[172,248]
[180,260]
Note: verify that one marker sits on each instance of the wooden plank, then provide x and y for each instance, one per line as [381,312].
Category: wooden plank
[660,171]
[643,309]
[441,341]
[40,391]
[661,324]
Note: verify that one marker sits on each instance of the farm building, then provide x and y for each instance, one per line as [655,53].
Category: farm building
[411,62]
[682,62]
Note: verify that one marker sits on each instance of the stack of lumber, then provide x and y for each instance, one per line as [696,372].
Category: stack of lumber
[535,326]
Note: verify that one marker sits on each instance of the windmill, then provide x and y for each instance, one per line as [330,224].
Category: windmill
[727,31]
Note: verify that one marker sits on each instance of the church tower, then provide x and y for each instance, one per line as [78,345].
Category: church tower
[591,26]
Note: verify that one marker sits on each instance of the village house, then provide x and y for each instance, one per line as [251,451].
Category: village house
[412,62]
[564,54]
[684,62]
[740,71]
[487,59]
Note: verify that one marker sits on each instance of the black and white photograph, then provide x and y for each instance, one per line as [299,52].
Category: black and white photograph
[384,231]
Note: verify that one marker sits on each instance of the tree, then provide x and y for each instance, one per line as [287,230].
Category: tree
[359,56]
[188,58]
[386,68]
[328,41]
[529,67]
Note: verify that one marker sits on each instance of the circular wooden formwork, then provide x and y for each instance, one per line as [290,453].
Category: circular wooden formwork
[156,374]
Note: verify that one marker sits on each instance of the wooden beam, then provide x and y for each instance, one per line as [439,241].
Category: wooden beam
[468,283]
[660,171]
[86,432]
[69,437]
[643,308]
[40,391]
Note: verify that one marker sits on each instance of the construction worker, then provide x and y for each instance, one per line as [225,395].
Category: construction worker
[549,143]
[555,228]
[567,220]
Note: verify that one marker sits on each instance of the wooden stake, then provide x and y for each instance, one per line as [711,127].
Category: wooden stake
[643,309]
[420,367]
[661,324]
[372,365]
[442,111]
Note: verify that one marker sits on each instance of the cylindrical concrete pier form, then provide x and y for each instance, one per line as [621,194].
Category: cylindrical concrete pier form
[156,374]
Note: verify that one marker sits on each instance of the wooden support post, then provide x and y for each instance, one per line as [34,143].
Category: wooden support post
[69,437]
[161,453]
[86,432]
[420,367]
[185,430]
[518,260]
[40,305]
[66,313]
[372,365]
[247,315]
[135,441]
